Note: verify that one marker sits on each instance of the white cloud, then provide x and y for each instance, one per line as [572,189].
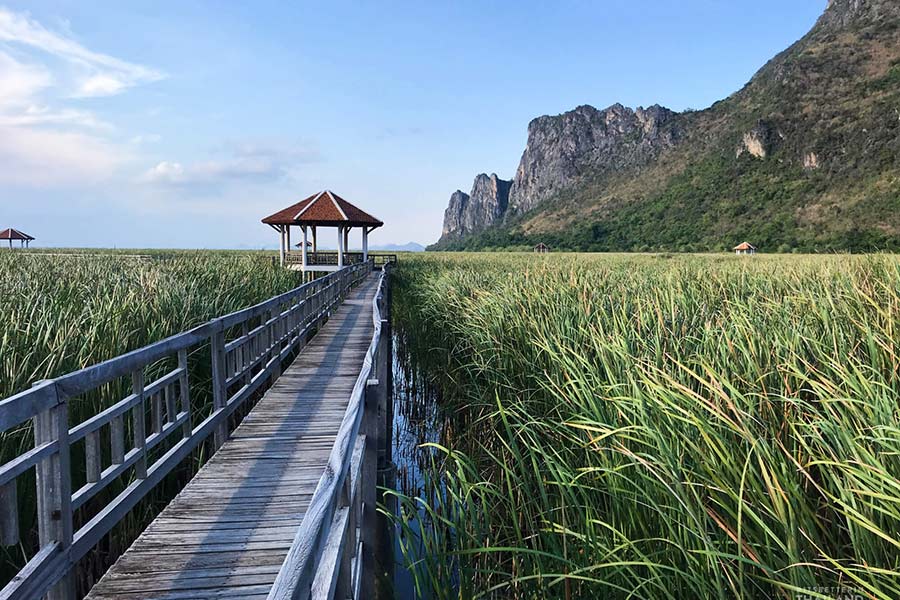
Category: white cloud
[93,73]
[45,141]
[46,158]
[19,82]
[248,162]
[149,138]
[215,171]
[42,115]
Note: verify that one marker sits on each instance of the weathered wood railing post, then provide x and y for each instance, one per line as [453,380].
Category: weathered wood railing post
[184,391]
[9,514]
[220,394]
[385,376]
[368,485]
[138,425]
[54,488]
[274,342]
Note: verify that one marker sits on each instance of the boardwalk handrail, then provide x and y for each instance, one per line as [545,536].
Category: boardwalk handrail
[262,337]
[330,258]
[318,564]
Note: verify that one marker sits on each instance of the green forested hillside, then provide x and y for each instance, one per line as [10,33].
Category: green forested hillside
[806,157]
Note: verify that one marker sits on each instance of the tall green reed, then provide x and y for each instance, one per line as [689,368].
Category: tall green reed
[659,427]
[62,313]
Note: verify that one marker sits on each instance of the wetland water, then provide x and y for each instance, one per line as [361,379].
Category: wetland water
[417,420]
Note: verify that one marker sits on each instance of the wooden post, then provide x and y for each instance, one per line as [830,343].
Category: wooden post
[314,248]
[340,247]
[54,489]
[138,426]
[369,490]
[9,514]
[185,393]
[275,343]
[346,239]
[287,233]
[365,243]
[217,349]
[387,332]
[281,243]
[303,245]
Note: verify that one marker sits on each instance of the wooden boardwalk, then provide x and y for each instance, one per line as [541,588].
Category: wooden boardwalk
[227,533]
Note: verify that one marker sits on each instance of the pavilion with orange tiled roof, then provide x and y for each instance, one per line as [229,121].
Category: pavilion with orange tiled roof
[325,209]
[14,234]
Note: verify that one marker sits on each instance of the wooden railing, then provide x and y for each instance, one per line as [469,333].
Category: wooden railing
[332,555]
[247,349]
[327,258]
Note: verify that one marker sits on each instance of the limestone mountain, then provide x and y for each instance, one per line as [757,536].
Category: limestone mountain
[483,207]
[806,156]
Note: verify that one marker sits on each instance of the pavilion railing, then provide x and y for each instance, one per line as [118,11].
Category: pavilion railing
[128,443]
[330,258]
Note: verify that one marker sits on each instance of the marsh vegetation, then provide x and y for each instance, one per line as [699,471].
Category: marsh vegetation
[655,426]
[62,313]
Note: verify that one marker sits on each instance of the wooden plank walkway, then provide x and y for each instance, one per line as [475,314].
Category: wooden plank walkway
[227,533]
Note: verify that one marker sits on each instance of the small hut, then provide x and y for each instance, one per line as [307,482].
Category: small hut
[325,209]
[15,235]
[745,248]
[542,248]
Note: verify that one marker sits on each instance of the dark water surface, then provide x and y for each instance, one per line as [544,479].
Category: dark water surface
[416,421]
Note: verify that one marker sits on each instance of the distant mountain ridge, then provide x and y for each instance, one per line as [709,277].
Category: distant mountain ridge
[806,156]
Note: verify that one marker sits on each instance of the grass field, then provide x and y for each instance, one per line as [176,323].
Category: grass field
[63,313]
[658,426]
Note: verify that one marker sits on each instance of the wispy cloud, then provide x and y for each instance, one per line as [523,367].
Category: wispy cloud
[37,157]
[257,162]
[93,73]
[44,138]
[148,138]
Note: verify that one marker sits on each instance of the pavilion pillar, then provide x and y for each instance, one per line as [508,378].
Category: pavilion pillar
[340,247]
[346,239]
[287,243]
[281,245]
[303,246]
[314,248]
[365,244]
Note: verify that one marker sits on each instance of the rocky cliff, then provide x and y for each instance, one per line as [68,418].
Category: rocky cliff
[804,157]
[484,206]
[562,149]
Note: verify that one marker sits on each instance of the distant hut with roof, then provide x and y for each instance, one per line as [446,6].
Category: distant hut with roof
[541,248]
[745,248]
[14,235]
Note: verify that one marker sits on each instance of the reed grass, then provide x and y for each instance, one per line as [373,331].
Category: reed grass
[659,427]
[59,314]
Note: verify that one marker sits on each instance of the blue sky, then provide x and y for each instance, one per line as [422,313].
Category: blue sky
[182,124]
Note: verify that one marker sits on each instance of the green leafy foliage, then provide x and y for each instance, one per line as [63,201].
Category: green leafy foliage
[657,426]
[828,182]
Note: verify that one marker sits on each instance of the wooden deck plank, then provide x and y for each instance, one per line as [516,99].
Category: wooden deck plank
[226,534]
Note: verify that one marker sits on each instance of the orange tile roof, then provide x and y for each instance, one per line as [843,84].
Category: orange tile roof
[14,234]
[744,246]
[324,208]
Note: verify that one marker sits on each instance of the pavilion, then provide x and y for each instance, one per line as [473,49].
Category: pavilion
[325,209]
[14,234]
